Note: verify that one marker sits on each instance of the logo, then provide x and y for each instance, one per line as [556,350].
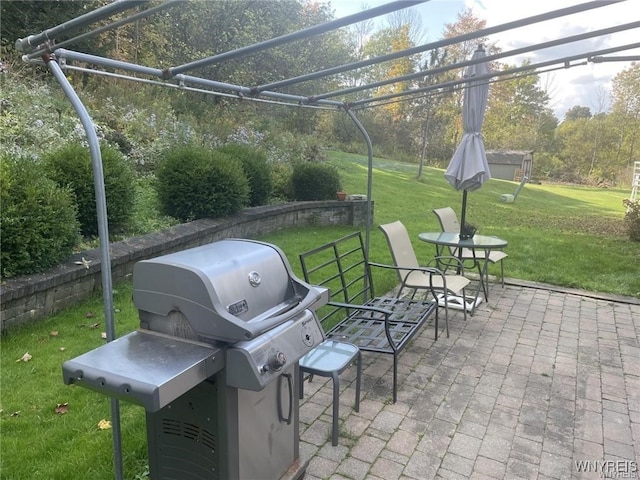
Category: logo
[254,279]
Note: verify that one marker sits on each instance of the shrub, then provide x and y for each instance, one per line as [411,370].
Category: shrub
[632,218]
[256,169]
[71,166]
[194,182]
[315,181]
[38,225]
[281,173]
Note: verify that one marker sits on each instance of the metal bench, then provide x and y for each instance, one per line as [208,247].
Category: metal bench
[354,314]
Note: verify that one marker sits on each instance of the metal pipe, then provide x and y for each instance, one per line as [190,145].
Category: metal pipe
[488,58]
[53,47]
[493,80]
[368,217]
[103,234]
[629,58]
[194,89]
[438,44]
[27,44]
[300,34]
[64,54]
[526,68]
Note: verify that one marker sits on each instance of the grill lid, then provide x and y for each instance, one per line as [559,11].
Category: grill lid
[229,291]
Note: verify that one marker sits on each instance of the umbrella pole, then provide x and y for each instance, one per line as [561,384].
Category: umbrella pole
[463,215]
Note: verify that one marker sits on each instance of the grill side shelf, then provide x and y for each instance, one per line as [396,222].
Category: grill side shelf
[144,368]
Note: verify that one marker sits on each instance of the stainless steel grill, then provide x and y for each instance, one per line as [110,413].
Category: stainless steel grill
[215,362]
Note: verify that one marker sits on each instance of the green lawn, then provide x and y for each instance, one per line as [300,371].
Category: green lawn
[562,235]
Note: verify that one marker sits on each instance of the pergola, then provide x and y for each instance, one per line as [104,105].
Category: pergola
[43,47]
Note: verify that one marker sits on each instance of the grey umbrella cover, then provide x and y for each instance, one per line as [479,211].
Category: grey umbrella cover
[468,169]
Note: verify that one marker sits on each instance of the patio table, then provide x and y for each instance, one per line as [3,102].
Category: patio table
[455,244]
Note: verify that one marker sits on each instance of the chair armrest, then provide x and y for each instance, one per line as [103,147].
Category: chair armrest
[426,269]
[354,306]
[404,278]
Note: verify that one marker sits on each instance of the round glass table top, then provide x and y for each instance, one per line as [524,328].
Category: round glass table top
[453,240]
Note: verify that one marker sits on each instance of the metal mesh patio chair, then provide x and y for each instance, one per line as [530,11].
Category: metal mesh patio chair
[418,278]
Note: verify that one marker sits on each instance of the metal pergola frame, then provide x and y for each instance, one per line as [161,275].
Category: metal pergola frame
[42,48]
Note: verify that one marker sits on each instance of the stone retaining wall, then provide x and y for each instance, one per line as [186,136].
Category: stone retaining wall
[28,298]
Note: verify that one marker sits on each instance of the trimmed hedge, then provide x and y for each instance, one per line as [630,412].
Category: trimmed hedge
[38,225]
[70,166]
[195,182]
[256,169]
[315,181]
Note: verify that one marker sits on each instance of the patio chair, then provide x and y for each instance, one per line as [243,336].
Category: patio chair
[418,278]
[450,224]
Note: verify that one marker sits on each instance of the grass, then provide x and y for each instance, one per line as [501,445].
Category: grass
[570,236]
[38,443]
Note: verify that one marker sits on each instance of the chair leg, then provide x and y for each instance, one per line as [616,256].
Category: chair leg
[395,376]
[446,313]
[358,381]
[484,281]
[336,407]
[464,310]
[437,316]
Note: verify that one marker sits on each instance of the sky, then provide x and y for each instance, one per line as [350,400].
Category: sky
[587,86]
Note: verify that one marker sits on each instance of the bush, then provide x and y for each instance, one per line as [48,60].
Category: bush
[315,181]
[38,225]
[632,218]
[281,173]
[194,182]
[71,166]
[256,169]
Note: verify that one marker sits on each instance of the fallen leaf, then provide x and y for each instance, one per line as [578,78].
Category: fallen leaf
[62,408]
[84,262]
[104,424]
[94,325]
[25,358]
[16,413]
[89,315]
[53,333]
[104,335]
[62,349]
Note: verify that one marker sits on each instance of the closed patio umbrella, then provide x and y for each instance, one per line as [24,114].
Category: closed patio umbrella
[468,169]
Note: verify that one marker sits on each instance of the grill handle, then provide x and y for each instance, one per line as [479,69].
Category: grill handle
[314,298]
[286,419]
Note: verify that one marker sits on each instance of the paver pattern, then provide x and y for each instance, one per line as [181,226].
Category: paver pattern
[537,384]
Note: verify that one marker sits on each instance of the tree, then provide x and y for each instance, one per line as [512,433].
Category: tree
[21,18]
[626,109]
[449,109]
[391,118]
[517,114]
[576,112]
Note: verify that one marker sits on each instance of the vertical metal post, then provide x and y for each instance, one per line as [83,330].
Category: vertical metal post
[369,219]
[103,234]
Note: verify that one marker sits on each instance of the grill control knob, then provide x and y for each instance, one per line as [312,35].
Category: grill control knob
[277,361]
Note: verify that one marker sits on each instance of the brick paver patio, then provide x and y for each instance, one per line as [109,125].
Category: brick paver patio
[538,384]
